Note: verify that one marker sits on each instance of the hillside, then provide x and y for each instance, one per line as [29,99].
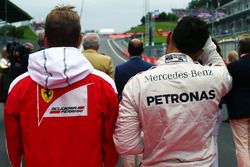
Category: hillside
[27,33]
[164,26]
[21,32]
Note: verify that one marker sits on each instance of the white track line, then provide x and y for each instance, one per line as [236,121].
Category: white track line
[115,51]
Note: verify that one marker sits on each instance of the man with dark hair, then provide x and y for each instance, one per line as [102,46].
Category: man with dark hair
[193,38]
[125,71]
[238,101]
[135,47]
[61,112]
[175,104]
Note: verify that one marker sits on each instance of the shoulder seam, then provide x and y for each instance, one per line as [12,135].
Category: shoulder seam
[16,80]
[105,77]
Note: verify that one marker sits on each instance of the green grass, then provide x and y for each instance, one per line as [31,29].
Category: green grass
[165,26]
[28,33]
[160,39]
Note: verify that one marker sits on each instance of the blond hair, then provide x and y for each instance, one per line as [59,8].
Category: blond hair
[232,56]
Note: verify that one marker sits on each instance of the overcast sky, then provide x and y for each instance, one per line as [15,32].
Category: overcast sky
[120,15]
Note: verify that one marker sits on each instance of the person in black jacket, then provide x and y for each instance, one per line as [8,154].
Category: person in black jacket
[238,101]
[18,56]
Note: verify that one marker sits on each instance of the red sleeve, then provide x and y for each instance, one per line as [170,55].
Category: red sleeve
[14,145]
[110,156]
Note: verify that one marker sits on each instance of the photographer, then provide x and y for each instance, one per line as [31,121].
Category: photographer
[19,55]
[18,58]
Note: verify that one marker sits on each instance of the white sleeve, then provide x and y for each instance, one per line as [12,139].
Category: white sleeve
[127,135]
[210,56]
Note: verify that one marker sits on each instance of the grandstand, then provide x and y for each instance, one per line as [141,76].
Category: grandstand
[235,21]
[230,19]
[205,14]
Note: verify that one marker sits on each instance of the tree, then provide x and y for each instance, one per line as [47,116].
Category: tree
[172,17]
[162,17]
[8,30]
[196,4]
[143,20]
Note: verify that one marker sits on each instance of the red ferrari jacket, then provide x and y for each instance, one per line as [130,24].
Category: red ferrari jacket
[61,113]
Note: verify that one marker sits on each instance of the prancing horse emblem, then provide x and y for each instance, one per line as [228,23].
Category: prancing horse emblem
[47,95]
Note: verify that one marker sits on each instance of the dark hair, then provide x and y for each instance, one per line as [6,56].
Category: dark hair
[190,34]
[62,27]
[244,46]
[13,47]
[218,48]
[135,47]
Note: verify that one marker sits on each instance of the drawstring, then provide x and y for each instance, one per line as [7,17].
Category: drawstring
[46,70]
[65,65]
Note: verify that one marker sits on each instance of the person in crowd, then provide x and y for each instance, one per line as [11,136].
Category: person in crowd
[175,104]
[61,112]
[18,56]
[232,56]
[91,44]
[40,41]
[134,65]
[4,62]
[238,101]
[123,73]
[4,75]
[29,46]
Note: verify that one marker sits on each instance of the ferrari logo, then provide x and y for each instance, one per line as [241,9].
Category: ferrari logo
[47,95]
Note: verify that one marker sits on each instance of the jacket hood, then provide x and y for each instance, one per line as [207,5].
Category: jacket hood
[58,67]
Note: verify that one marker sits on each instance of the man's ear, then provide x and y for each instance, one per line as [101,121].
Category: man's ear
[170,47]
[169,38]
[79,40]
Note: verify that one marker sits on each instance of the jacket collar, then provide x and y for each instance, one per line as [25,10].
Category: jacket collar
[173,58]
[90,51]
[135,57]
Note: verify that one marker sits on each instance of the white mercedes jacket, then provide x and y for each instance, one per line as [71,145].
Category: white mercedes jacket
[175,105]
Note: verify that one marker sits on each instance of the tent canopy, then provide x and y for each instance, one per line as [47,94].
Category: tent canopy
[11,13]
